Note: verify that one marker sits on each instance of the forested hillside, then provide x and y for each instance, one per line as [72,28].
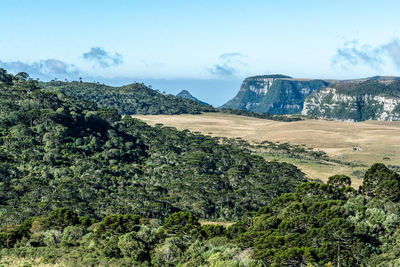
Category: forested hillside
[81,187]
[130,99]
[318,225]
[323,224]
[57,151]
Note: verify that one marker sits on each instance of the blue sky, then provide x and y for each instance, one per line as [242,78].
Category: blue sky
[205,46]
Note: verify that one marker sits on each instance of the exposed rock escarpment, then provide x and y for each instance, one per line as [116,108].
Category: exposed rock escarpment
[374,99]
[275,94]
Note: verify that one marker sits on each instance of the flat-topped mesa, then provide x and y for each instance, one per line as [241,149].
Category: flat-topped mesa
[261,84]
[275,94]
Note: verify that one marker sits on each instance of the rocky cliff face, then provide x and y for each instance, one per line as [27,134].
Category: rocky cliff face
[370,100]
[275,94]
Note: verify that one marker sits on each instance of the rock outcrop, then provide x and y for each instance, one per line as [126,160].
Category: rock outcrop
[374,99]
[274,94]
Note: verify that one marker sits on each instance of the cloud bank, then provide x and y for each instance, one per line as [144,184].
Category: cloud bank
[48,69]
[43,69]
[353,53]
[103,58]
[227,65]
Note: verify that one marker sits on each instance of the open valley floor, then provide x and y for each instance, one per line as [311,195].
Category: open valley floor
[358,144]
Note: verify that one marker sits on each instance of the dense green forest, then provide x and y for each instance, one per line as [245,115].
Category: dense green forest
[79,186]
[317,225]
[57,151]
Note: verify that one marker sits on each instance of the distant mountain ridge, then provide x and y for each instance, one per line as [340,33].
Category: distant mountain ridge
[377,98]
[274,94]
[185,94]
[138,98]
[372,98]
[135,98]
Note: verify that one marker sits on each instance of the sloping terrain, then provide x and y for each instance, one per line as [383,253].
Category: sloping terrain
[185,94]
[57,151]
[356,143]
[134,98]
[81,187]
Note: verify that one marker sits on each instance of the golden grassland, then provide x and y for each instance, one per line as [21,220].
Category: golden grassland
[25,262]
[225,224]
[363,142]
[16,261]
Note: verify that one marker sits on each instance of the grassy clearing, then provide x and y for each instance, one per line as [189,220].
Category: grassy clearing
[362,143]
[322,169]
[24,262]
[225,224]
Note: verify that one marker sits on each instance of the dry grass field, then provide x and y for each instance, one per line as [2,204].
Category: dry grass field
[25,262]
[225,224]
[363,142]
